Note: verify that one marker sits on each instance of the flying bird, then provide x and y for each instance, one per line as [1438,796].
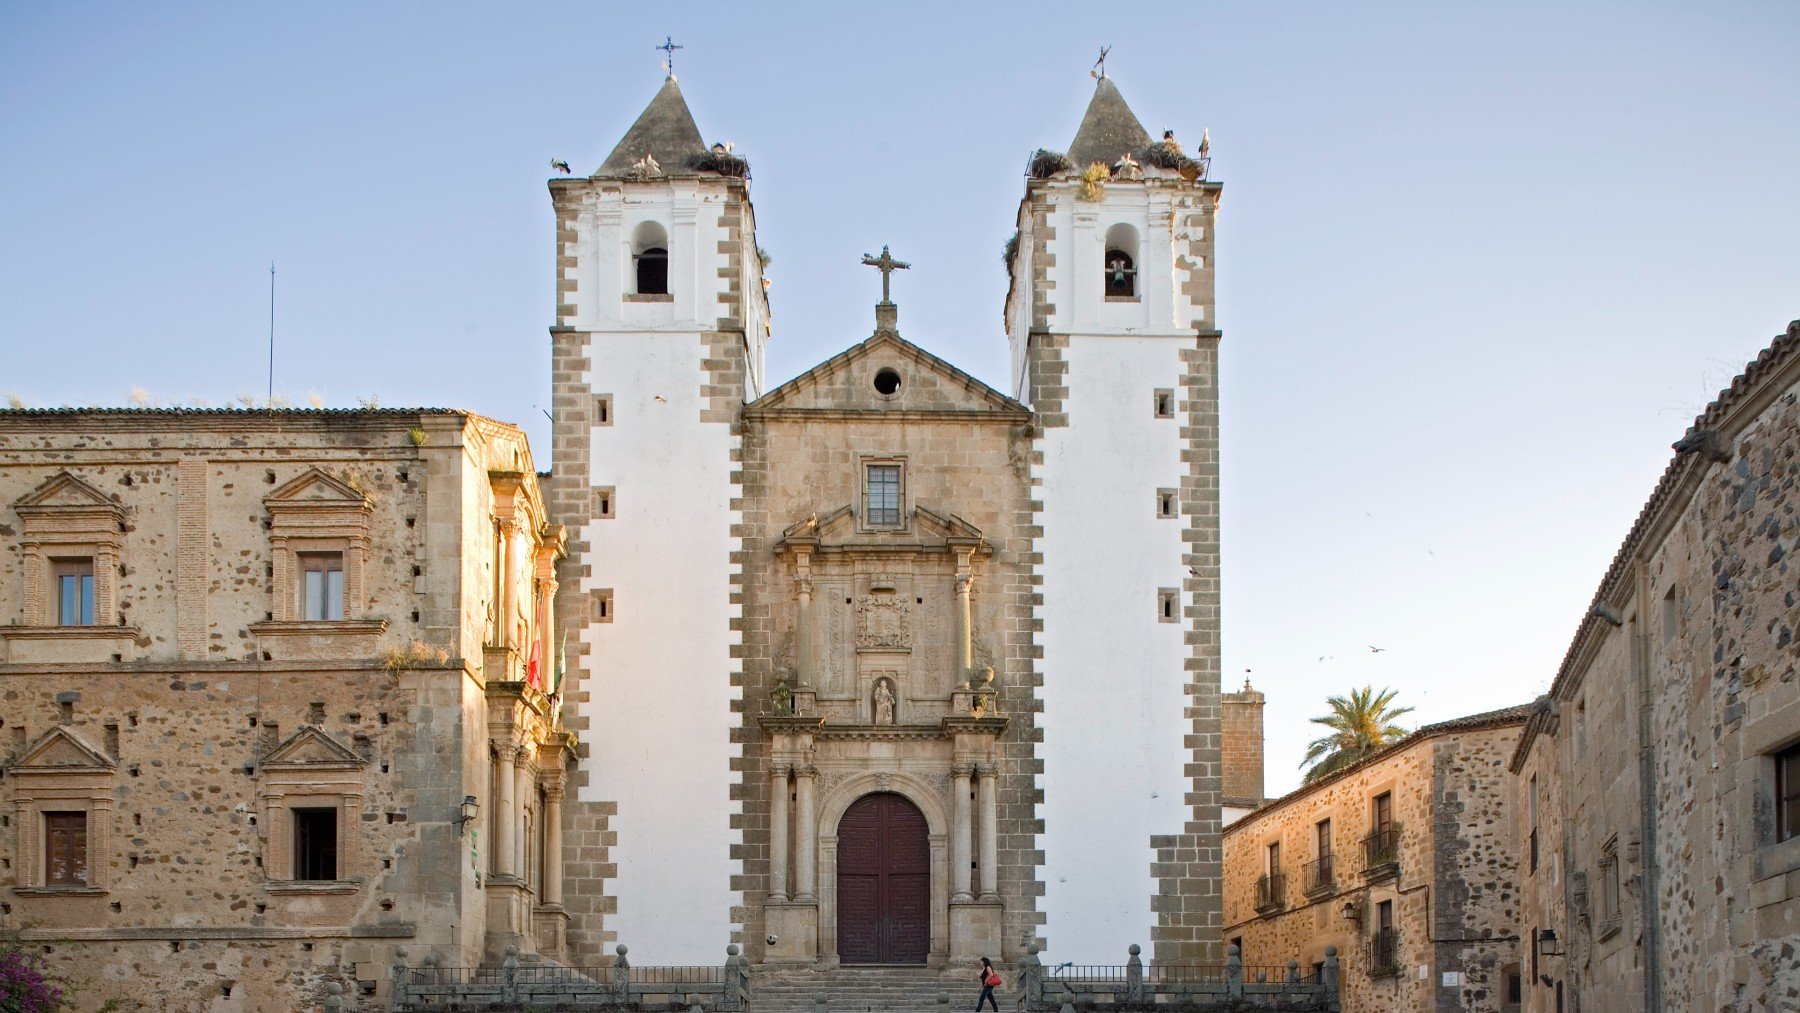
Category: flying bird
[1376,650]
[560,166]
[659,397]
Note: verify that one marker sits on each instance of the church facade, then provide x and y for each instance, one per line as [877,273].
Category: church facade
[884,665]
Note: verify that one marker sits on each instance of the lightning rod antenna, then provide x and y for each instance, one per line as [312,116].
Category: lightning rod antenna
[271,397]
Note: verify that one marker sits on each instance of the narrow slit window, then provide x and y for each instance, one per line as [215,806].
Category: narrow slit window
[603,605]
[881,496]
[1167,504]
[1163,403]
[74,583]
[1668,615]
[603,410]
[315,844]
[321,586]
[65,849]
[605,500]
[1168,605]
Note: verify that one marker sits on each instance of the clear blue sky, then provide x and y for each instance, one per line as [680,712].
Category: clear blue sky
[1479,264]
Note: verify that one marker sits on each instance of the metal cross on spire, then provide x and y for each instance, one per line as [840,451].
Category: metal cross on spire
[887,265]
[1100,64]
[669,47]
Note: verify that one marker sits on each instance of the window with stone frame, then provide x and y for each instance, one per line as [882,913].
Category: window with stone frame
[1609,888]
[62,790]
[71,541]
[311,800]
[1787,794]
[884,494]
[319,540]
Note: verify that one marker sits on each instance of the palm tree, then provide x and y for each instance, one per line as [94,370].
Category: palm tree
[1360,726]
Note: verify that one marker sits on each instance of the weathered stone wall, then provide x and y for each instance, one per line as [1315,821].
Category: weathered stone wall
[164,736]
[1241,745]
[1655,755]
[1452,886]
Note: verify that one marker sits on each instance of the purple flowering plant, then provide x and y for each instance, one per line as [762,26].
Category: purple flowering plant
[24,988]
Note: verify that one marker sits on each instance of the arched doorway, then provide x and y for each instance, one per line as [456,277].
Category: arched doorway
[883,882]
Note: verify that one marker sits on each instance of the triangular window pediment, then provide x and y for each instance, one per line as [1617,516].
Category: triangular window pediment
[62,492]
[839,528]
[314,487]
[61,751]
[310,747]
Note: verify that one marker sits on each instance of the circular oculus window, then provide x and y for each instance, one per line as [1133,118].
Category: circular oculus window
[887,382]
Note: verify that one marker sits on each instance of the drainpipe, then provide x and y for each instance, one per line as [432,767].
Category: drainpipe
[1640,663]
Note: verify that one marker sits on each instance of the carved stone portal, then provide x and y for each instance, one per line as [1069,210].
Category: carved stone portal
[883,622]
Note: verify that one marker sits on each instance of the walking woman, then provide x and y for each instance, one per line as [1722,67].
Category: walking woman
[990,979]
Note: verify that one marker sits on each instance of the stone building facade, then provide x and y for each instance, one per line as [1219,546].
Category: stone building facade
[876,606]
[1659,780]
[276,702]
[1406,862]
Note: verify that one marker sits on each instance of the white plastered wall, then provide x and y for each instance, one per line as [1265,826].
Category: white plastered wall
[1114,673]
[659,673]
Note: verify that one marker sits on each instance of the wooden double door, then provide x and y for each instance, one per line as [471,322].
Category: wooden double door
[883,882]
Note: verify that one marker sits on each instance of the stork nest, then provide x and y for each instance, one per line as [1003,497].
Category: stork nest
[722,162]
[1012,250]
[1046,163]
[1168,155]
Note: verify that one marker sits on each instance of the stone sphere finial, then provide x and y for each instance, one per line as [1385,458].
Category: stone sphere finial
[1331,951]
[1231,951]
[512,951]
[1032,949]
[619,949]
[731,950]
[400,953]
[1134,949]
[334,989]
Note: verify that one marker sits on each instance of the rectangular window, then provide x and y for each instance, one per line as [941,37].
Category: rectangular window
[1168,605]
[1787,793]
[604,498]
[603,410]
[65,849]
[1164,403]
[1515,988]
[1168,504]
[315,844]
[881,496]
[1667,616]
[1322,835]
[1609,888]
[1531,808]
[73,580]
[321,586]
[1274,858]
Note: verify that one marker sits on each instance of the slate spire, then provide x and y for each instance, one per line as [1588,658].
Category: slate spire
[1109,129]
[665,131]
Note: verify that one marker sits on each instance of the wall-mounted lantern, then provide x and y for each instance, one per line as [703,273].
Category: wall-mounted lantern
[1547,943]
[470,809]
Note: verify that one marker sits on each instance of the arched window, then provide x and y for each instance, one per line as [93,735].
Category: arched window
[1120,263]
[650,259]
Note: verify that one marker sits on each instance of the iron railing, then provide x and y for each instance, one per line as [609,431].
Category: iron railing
[1381,847]
[1384,953]
[1271,891]
[1319,876]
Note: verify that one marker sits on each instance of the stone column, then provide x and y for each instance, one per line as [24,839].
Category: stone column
[990,831]
[803,620]
[778,832]
[965,627]
[509,583]
[504,786]
[959,832]
[523,781]
[553,869]
[806,836]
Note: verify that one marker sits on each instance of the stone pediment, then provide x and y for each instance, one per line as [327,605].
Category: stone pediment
[927,385]
[62,493]
[61,751]
[315,487]
[838,531]
[312,749]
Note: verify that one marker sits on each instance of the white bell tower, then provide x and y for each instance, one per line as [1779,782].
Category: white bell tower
[1114,346]
[661,322]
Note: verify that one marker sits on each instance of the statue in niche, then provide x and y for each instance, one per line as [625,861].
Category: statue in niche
[884,702]
[781,699]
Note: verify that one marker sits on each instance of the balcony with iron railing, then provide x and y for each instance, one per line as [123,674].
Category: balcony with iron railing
[1381,853]
[1384,953]
[1271,892]
[1319,878]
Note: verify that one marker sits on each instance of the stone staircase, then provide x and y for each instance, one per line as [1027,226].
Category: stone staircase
[882,989]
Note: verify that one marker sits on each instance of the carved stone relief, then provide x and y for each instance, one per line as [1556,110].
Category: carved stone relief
[882,705]
[883,621]
[831,652]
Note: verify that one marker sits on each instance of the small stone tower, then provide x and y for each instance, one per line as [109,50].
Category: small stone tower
[660,326]
[1241,718]
[1110,321]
